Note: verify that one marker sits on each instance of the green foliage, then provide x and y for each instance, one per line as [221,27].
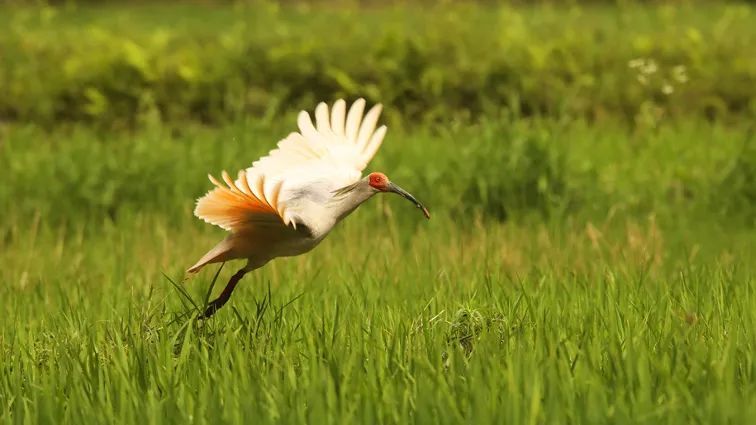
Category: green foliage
[620,290]
[219,63]
[739,183]
[498,169]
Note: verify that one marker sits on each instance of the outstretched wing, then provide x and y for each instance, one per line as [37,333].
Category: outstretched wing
[235,204]
[330,153]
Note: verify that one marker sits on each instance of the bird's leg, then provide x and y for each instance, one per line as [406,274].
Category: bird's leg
[219,302]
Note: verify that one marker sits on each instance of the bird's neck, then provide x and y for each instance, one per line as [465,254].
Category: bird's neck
[343,205]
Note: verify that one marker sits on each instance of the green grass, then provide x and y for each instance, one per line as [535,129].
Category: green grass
[555,329]
[611,309]
[578,267]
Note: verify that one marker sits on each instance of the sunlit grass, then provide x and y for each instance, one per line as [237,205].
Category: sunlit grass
[620,311]
[483,324]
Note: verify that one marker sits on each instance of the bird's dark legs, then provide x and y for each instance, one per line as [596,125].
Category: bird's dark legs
[217,303]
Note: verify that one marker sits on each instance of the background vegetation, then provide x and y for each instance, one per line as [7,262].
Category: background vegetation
[590,168]
[217,64]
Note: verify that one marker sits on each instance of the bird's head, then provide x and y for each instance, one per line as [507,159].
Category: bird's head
[380,183]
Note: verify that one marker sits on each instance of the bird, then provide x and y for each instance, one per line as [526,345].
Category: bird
[289,200]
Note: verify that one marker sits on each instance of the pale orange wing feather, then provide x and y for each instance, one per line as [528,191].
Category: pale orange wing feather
[234,206]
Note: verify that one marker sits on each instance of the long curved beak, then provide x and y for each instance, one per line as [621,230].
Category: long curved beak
[399,191]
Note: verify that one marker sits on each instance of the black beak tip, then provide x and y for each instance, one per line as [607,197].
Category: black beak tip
[425,212]
[398,190]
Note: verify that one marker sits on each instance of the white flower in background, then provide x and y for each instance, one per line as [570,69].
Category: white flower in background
[667,88]
[649,67]
[646,68]
[680,74]
[636,63]
[643,65]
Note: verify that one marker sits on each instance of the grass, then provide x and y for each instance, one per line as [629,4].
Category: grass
[575,270]
[622,316]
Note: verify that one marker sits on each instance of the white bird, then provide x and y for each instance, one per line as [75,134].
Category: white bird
[289,200]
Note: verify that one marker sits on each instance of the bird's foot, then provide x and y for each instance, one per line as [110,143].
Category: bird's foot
[212,307]
[219,302]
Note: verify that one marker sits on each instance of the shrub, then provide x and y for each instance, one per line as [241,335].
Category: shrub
[119,66]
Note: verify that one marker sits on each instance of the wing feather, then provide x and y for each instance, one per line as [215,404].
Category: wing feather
[374,144]
[231,184]
[353,119]
[244,182]
[368,126]
[306,128]
[232,209]
[322,122]
[338,114]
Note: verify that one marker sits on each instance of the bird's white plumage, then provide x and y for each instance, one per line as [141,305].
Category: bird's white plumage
[335,140]
[305,166]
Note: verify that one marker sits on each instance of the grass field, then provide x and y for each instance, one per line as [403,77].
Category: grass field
[574,271]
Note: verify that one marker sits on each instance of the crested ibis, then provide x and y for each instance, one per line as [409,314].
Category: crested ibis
[291,198]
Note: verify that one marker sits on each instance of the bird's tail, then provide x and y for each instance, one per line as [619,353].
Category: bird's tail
[221,252]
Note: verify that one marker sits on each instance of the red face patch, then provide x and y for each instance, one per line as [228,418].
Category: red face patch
[378,181]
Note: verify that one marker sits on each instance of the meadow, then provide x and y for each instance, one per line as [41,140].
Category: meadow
[590,256]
